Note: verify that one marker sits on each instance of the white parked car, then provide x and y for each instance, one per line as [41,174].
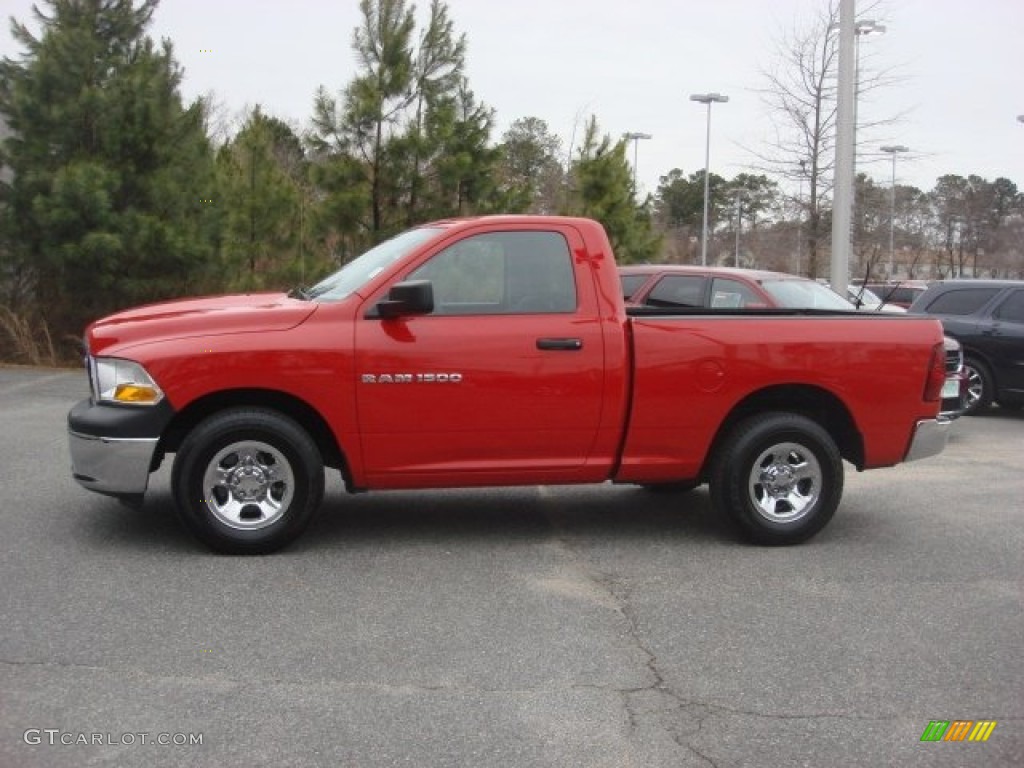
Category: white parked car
[864,299]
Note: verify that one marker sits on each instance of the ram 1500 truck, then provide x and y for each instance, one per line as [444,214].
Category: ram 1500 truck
[495,351]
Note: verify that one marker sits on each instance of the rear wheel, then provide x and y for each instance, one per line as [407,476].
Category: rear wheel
[778,477]
[979,386]
[247,481]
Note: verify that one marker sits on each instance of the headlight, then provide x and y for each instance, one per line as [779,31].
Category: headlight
[122,381]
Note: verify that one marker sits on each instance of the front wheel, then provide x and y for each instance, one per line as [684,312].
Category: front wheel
[778,477]
[247,481]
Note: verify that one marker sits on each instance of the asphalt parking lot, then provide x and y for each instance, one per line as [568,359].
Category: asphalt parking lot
[600,626]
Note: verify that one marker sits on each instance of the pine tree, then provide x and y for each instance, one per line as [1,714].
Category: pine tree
[263,201]
[463,168]
[366,122]
[440,60]
[407,140]
[111,197]
[604,191]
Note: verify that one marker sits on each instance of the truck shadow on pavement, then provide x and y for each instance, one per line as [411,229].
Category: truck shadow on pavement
[520,515]
[517,513]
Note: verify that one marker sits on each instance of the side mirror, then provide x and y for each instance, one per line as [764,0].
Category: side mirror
[414,297]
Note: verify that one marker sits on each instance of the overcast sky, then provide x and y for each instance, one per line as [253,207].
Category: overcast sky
[634,64]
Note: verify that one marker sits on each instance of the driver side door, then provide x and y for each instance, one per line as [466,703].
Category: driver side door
[502,383]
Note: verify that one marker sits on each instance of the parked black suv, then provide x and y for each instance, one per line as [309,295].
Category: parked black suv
[987,318]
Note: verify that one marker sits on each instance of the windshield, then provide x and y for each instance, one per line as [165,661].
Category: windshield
[804,294]
[863,296]
[364,268]
[867,297]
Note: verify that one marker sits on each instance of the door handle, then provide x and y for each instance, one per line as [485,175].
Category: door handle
[564,345]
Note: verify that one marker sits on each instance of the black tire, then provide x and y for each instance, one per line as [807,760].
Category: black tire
[247,481]
[805,465]
[979,386]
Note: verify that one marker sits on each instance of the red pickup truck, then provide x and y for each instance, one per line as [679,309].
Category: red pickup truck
[495,351]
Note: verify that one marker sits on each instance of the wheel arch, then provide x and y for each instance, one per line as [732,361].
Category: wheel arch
[815,403]
[976,353]
[286,404]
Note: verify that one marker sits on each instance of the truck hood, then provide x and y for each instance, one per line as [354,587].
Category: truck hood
[211,316]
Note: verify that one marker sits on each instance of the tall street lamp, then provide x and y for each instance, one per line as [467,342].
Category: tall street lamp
[635,137]
[800,215]
[739,194]
[893,149]
[864,28]
[709,99]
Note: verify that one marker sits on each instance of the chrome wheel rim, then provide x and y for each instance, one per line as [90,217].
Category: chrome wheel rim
[248,485]
[975,386]
[785,482]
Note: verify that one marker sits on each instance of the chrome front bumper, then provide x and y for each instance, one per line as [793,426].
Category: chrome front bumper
[116,466]
[930,437]
[113,448]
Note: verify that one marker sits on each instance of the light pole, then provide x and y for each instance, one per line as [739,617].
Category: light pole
[893,149]
[708,99]
[635,137]
[864,28]
[842,187]
[844,181]
[800,213]
[738,194]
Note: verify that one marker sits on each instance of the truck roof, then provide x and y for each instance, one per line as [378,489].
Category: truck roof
[508,218]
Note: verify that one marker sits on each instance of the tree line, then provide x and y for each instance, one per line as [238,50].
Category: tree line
[962,227]
[114,191]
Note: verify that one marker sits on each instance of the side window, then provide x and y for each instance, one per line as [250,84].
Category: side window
[630,284]
[502,273]
[1012,310]
[468,277]
[961,301]
[732,294]
[677,291]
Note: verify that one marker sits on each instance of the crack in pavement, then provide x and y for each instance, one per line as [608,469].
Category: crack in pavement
[631,698]
[682,719]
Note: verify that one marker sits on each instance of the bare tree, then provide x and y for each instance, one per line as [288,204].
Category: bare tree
[800,94]
[970,215]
